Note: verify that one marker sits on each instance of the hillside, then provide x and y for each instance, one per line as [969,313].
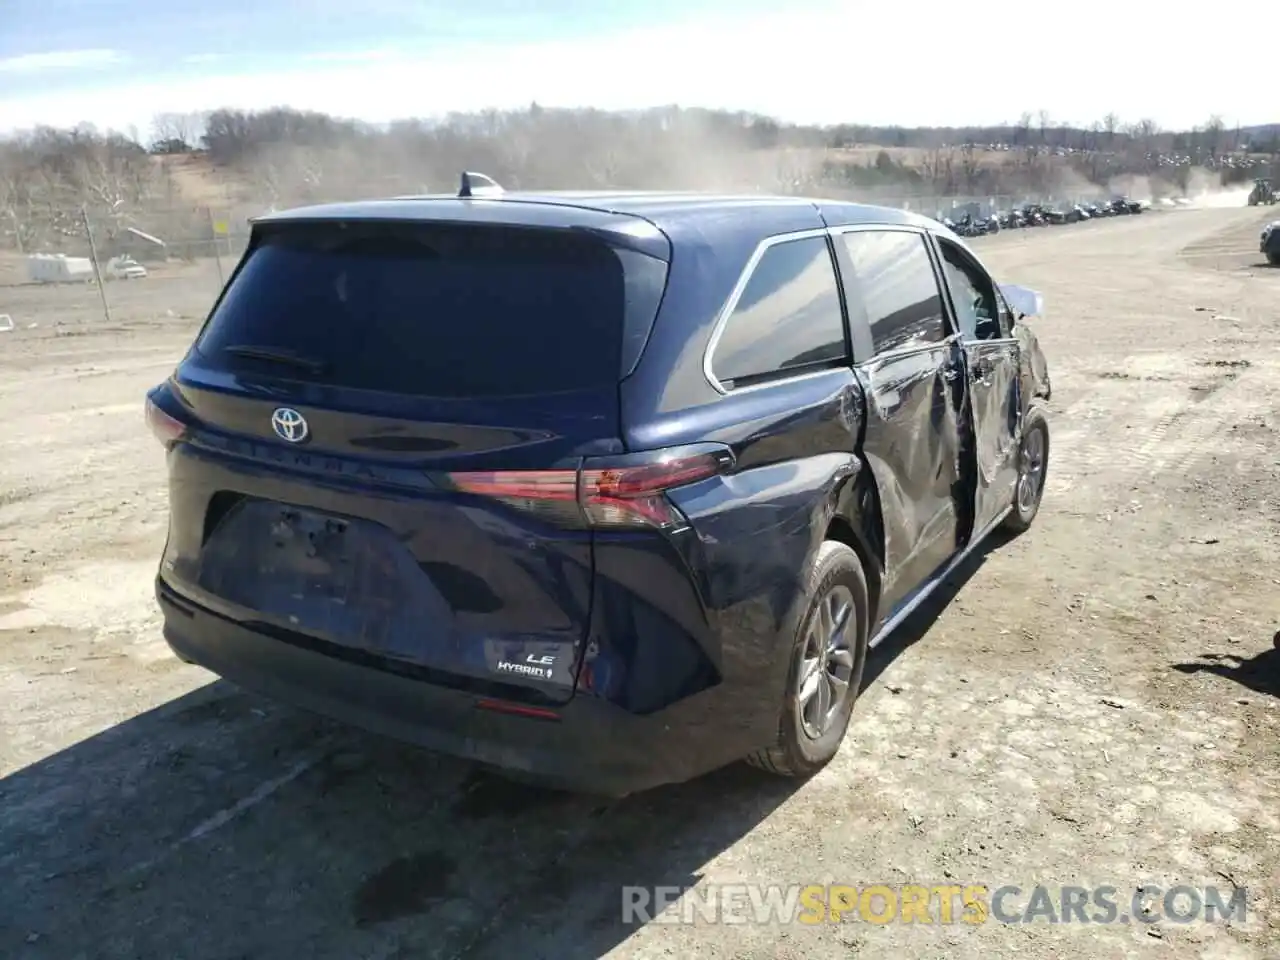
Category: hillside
[199,182]
[245,162]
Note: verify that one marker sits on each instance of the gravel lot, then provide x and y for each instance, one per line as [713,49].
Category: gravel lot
[1097,703]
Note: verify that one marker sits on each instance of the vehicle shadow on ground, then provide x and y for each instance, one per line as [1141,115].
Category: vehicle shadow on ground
[1260,673]
[221,825]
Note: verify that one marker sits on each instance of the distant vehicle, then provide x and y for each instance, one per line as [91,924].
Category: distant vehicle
[125,268]
[1262,193]
[1054,215]
[1012,220]
[602,489]
[1270,244]
[1123,205]
[58,268]
[971,226]
[1033,215]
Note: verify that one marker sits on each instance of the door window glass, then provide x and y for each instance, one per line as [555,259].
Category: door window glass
[973,295]
[788,318]
[896,284]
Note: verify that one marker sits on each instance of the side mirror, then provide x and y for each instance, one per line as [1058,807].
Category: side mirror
[1023,301]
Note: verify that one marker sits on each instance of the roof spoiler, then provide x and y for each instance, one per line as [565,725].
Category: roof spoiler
[478,185]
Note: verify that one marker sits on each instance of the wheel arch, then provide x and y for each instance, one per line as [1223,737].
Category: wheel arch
[856,522]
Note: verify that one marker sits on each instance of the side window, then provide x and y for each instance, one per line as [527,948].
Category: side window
[788,318]
[973,296]
[897,285]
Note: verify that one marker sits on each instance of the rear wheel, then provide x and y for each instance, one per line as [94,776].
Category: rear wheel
[1273,258]
[827,659]
[1033,465]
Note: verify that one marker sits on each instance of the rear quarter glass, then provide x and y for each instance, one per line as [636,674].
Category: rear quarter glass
[437,310]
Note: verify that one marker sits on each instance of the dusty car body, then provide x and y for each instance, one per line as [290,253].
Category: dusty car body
[606,490]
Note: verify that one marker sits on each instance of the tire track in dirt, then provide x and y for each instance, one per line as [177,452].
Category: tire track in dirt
[1229,251]
[1207,422]
[1157,411]
[1169,427]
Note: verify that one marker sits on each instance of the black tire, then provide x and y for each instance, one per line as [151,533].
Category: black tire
[1273,258]
[1024,509]
[836,573]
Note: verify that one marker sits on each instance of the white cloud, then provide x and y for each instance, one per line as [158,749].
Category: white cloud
[355,56]
[60,60]
[847,62]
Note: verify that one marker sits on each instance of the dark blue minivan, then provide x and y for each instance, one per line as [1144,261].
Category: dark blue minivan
[604,490]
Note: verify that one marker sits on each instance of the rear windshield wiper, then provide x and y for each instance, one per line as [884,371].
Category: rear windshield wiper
[275,355]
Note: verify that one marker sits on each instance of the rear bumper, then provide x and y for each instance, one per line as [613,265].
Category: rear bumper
[593,748]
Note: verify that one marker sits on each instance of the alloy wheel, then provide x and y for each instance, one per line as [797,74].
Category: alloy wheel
[823,680]
[1031,476]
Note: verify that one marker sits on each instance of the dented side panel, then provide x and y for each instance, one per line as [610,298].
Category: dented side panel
[913,446]
[1035,368]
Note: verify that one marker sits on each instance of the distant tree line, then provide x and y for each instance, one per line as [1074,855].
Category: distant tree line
[282,156]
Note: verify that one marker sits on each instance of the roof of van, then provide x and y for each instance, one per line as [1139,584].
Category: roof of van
[592,209]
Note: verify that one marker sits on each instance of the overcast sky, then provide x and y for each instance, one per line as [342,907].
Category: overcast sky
[116,63]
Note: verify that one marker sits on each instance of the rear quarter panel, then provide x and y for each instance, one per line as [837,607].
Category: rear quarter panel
[732,587]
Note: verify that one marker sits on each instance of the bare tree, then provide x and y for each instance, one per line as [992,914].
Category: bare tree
[14,196]
[1042,116]
[281,157]
[970,168]
[1110,124]
[1022,132]
[1214,139]
[182,130]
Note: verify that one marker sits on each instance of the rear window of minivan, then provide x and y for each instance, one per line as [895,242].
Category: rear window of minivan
[431,310]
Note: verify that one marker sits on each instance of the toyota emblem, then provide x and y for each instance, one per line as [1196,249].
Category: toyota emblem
[290,425]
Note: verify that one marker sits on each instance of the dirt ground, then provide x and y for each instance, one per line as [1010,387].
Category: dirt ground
[1097,702]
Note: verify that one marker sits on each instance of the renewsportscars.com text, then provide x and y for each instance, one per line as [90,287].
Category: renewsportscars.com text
[932,904]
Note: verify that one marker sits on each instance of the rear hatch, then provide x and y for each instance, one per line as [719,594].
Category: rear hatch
[384,428]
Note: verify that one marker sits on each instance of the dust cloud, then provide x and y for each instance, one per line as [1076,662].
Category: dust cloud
[1226,197]
[1205,189]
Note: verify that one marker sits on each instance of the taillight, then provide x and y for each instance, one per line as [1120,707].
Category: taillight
[602,496]
[636,496]
[551,494]
[168,430]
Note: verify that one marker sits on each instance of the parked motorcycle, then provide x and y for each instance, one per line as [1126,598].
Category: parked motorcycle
[971,226]
[1124,206]
[1033,215]
[1054,216]
[1012,220]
